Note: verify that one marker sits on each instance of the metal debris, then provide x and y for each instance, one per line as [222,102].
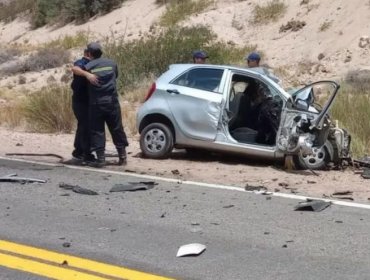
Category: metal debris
[366,173]
[13,178]
[343,193]
[133,186]
[77,189]
[312,205]
[254,188]
[194,249]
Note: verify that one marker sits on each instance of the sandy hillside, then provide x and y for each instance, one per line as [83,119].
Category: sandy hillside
[338,43]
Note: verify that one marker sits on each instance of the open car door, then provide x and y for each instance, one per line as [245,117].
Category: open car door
[305,122]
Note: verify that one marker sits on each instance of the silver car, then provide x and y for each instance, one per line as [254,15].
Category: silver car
[236,110]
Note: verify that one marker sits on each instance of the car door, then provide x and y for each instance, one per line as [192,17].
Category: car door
[305,122]
[195,100]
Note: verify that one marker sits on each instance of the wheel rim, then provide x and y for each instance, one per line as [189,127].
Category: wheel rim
[155,140]
[317,158]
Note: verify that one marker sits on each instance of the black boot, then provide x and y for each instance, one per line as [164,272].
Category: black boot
[122,156]
[100,161]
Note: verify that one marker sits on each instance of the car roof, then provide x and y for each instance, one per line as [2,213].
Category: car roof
[177,69]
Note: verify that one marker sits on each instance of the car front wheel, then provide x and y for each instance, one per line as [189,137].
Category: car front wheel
[156,141]
[317,160]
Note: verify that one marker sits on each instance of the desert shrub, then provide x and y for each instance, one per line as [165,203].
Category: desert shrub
[179,10]
[50,11]
[70,41]
[325,26]
[269,12]
[44,58]
[352,110]
[10,10]
[359,80]
[142,58]
[49,110]
[7,54]
[292,25]
[11,115]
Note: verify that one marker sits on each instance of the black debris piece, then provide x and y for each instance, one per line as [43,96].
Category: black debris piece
[366,173]
[13,178]
[339,222]
[133,186]
[312,205]
[285,246]
[66,244]
[365,161]
[344,197]
[228,206]
[77,189]
[254,188]
[175,172]
[343,193]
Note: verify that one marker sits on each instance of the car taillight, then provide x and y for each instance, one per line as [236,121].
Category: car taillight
[150,92]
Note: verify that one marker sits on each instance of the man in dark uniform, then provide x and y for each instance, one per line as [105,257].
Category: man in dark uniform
[80,106]
[104,107]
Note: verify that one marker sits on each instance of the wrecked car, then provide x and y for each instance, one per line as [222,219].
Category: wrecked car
[237,110]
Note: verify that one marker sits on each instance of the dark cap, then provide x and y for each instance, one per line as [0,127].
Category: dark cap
[94,47]
[253,56]
[200,54]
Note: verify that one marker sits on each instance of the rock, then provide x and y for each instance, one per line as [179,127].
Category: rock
[320,56]
[364,42]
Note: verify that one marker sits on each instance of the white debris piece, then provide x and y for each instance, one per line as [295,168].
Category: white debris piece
[193,249]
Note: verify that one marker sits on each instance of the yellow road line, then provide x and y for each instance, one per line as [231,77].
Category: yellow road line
[76,262]
[50,271]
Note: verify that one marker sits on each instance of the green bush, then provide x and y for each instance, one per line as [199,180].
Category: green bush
[151,56]
[49,110]
[51,11]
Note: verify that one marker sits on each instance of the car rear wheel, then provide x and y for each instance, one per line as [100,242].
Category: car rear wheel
[318,160]
[156,141]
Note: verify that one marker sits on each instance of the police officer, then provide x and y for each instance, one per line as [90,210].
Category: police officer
[199,57]
[104,107]
[80,107]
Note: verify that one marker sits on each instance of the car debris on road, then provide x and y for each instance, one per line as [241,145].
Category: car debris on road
[194,249]
[77,189]
[13,178]
[312,205]
[133,186]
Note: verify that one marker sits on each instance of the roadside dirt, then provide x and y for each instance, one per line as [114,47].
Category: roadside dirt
[209,168]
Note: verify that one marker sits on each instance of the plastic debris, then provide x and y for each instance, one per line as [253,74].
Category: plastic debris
[133,186]
[312,205]
[77,189]
[194,249]
[13,178]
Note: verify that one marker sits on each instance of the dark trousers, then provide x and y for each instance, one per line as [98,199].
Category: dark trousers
[110,114]
[82,136]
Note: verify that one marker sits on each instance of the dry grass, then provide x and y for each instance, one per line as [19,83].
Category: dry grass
[352,109]
[325,26]
[11,10]
[11,115]
[270,12]
[179,10]
[49,110]
[69,42]
[129,118]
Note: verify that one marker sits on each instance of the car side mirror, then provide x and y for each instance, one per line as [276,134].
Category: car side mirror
[301,104]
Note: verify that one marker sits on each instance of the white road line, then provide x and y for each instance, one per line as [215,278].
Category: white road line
[207,185]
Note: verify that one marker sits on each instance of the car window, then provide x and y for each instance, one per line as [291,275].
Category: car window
[201,78]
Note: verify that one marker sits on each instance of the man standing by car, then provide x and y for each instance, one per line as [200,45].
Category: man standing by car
[199,57]
[104,107]
[80,107]
[253,61]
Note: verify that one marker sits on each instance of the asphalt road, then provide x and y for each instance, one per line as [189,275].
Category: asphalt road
[248,236]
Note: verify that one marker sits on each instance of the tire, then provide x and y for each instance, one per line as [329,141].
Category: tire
[318,160]
[156,141]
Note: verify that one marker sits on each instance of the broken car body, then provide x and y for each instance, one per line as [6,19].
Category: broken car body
[213,107]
